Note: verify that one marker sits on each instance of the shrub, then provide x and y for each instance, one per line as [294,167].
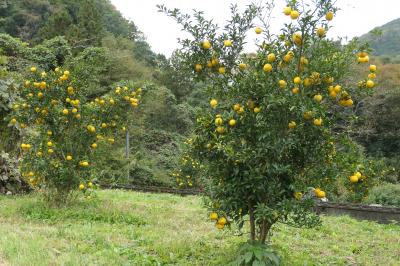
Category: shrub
[275,116]
[62,129]
[385,194]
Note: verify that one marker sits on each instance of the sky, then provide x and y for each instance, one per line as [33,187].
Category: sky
[355,18]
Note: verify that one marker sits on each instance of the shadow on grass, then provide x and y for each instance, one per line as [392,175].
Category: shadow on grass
[90,211]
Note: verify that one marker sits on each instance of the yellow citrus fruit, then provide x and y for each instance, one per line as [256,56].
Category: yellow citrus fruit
[370,84]
[318,98]
[295,90]
[198,67]
[297,38]
[271,57]
[68,158]
[218,121]
[258,30]
[256,110]
[81,187]
[213,103]
[220,226]
[358,174]
[372,68]
[294,14]
[222,220]
[214,216]
[320,194]
[90,184]
[267,68]
[65,111]
[307,115]
[337,88]
[321,32]
[242,66]
[33,69]
[227,43]
[13,121]
[282,84]
[292,125]
[353,179]
[297,80]
[50,151]
[94,145]
[287,10]
[206,45]
[298,195]
[371,75]
[232,122]
[329,15]
[236,107]
[221,70]
[318,121]
[221,130]
[49,144]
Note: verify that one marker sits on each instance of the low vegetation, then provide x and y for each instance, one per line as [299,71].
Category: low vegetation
[130,228]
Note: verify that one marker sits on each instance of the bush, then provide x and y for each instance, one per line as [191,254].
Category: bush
[62,129]
[385,194]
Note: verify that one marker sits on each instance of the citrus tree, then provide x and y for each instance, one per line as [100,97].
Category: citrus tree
[61,130]
[269,139]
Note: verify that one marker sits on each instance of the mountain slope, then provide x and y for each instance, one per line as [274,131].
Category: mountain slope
[385,40]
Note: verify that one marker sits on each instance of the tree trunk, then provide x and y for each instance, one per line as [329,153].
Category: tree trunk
[252,223]
[264,231]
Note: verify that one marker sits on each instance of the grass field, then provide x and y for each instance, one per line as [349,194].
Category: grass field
[130,228]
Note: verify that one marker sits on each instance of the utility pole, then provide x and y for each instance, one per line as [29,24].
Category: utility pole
[127,153]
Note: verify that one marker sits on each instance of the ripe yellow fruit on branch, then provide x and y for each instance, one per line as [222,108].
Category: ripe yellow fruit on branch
[372,68]
[213,103]
[220,226]
[221,70]
[198,67]
[258,30]
[94,145]
[218,121]
[242,66]
[65,112]
[49,144]
[294,14]
[220,130]
[267,68]
[206,45]
[318,98]
[297,80]
[232,122]
[256,110]
[307,115]
[271,57]
[353,179]
[227,43]
[33,69]
[321,32]
[295,90]
[81,187]
[84,163]
[370,84]
[287,10]
[297,38]
[91,129]
[68,158]
[292,125]
[282,84]
[320,194]
[318,121]
[214,216]
[329,15]
[222,221]
[50,151]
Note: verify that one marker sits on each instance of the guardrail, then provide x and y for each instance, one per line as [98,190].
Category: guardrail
[381,214]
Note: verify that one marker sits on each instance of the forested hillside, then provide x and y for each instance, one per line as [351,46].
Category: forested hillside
[91,39]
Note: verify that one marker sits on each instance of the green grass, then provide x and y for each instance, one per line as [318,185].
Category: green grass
[129,228]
